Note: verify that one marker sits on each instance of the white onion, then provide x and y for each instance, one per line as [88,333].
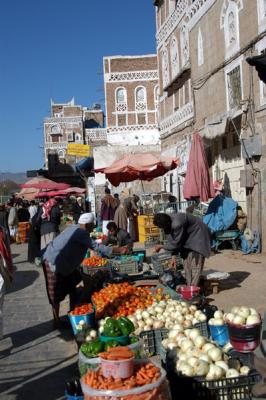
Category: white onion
[192,361]
[201,368]
[199,342]
[197,313]
[244,312]
[180,319]
[252,319]
[222,364]
[211,321]
[194,333]
[202,317]
[207,347]
[186,344]
[187,324]
[147,328]
[229,317]
[232,373]
[238,320]
[205,357]
[252,311]
[171,345]
[235,310]
[244,370]
[186,369]
[215,354]
[159,310]
[218,314]
[158,324]
[149,321]
[215,372]
[218,322]
[138,317]
[195,321]
[165,343]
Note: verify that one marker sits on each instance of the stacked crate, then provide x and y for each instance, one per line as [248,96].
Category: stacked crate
[148,232]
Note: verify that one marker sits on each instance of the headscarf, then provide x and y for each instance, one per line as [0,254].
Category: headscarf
[47,207]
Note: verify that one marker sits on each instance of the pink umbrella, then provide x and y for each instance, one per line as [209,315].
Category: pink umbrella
[142,166]
[44,184]
[198,182]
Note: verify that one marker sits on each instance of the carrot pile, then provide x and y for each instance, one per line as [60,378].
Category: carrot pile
[117,353]
[143,375]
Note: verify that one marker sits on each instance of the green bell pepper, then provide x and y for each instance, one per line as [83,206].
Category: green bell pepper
[92,349]
[111,328]
[125,325]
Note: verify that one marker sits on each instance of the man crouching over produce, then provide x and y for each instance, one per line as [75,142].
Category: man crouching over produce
[62,258]
[118,237]
[189,236]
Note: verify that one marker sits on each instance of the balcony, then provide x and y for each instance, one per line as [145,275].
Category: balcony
[180,116]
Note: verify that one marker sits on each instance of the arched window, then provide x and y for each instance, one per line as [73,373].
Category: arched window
[70,137]
[121,99]
[77,137]
[174,57]
[61,153]
[200,49]
[230,23]
[184,45]
[140,99]
[165,68]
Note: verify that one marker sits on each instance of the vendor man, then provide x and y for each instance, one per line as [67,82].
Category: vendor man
[117,236]
[62,258]
[189,236]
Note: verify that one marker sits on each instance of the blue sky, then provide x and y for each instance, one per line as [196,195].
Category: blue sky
[54,48]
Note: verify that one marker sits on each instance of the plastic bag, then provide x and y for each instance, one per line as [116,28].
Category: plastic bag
[172,278]
[155,391]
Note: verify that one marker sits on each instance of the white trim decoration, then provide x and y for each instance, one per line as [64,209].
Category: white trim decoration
[229,21]
[196,11]
[165,67]
[184,39]
[200,49]
[130,128]
[180,116]
[141,102]
[55,145]
[172,22]
[96,135]
[174,57]
[62,120]
[151,75]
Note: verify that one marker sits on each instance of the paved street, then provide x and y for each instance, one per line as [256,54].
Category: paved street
[35,360]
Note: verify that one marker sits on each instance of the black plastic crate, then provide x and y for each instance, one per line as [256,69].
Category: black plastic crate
[152,341]
[203,327]
[223,389]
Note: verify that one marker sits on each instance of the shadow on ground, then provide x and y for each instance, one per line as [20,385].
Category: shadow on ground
[48,387]
[23,279]
[235,279]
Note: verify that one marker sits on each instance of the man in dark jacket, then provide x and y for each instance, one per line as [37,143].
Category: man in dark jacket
[117,236]
[188,235]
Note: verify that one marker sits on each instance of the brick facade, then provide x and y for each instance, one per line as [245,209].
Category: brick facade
[206,85]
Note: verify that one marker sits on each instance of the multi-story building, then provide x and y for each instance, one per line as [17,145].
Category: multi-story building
[206,85]
[131,98]
[67,124]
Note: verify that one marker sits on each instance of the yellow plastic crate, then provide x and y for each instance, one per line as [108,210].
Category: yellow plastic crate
[145,219]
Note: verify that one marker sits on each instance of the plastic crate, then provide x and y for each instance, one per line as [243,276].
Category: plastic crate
[92,270]
[161,261]
[127,265]
[152,341]
[148,229]
[222,389]
[203,328]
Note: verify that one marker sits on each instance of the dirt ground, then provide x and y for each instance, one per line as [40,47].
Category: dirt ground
[247,282]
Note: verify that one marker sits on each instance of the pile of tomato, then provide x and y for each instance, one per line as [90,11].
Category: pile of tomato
[83,309]
[123,299]
[94,261]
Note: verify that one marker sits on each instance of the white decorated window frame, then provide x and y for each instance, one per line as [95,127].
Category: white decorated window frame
[261,8]
[261,47]
[141,105]
[174,56]
[231,67]
[200,49]
[231,8]
[184,41]
[165,67]
[61,153]
[121,106]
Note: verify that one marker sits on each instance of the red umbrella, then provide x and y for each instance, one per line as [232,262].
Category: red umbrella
[44,184]
[143,166]
[198,182]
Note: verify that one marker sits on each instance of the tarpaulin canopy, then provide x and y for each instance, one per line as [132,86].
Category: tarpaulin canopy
[259,62]
[54,193]
[142,166]
[197,181]
[44,184]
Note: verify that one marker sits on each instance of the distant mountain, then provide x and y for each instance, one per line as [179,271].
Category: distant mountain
[18,177]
